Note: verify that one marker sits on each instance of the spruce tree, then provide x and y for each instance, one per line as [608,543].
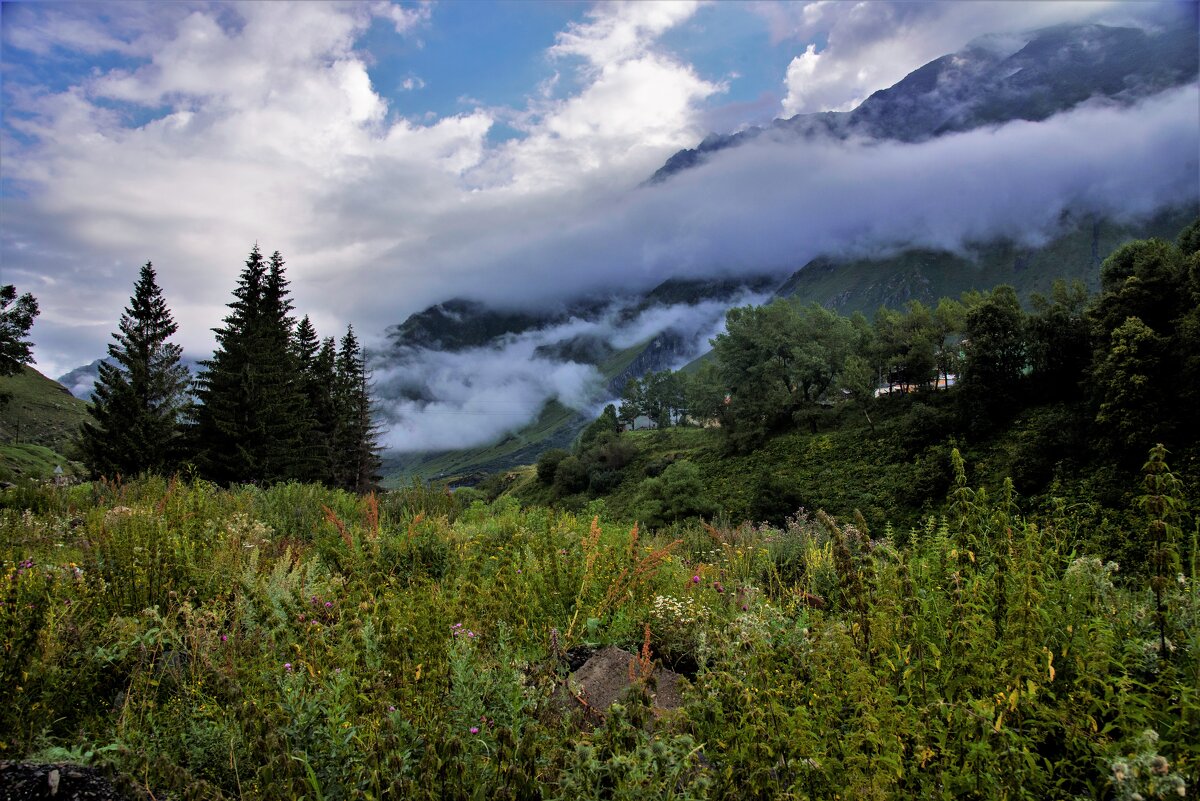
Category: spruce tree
[248,423]
[315,365]
[356,458]
[142,394]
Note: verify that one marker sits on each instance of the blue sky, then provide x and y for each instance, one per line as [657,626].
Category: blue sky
[400,154]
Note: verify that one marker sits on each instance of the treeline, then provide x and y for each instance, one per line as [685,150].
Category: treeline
[274,403]
[1131,355]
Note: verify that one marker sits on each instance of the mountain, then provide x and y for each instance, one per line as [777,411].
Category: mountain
[80,381]
[991,82]
[37,425]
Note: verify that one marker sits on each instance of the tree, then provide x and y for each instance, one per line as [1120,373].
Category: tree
[994,341]
[678,493]
[778,362]
[249,421]
[1060,339]
[705,394]
[1130,396]
[315,365]
[356,451]
[142,394]
[15,323]
[606,423]
[859,382]
[632,402]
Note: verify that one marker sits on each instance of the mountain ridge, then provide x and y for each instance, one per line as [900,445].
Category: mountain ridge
[1057,69]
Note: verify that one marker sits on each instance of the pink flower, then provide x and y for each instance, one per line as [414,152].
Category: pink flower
[695,579]
[474,730]
[329,604]
[287,666]
[224,638]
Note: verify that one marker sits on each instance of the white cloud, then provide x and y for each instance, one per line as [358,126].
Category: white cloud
[402,19]
[620,31]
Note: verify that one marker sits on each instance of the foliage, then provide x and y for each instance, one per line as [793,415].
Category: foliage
[140,397]
[273,405]
[304,641]
[15,322]
[16,318]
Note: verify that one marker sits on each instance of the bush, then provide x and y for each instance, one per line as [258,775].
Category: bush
[548,462]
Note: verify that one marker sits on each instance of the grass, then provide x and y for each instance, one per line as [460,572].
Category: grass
[37,425]
[301,642]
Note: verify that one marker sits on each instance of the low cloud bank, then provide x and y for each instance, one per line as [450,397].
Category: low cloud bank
[437,400]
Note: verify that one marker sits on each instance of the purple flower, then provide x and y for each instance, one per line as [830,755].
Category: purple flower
[224,638]
[391,709]
[287,666]
[695,579]
[329,604]
[474,730]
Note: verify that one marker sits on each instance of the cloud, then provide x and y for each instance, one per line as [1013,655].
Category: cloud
[438,400]
[403,19]
[621,31]
[851,49]
[774,205]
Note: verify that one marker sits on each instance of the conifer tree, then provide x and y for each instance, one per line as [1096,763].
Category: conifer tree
[356,457]
[315,362]
[248,423]
[142,394]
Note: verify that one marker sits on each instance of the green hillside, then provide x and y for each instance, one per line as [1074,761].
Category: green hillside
[865,284]
[37,425]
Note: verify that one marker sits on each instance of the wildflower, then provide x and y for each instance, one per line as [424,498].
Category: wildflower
[695,579]
[287,666]
[329,604]
[474,730]
[224,638]
[391,709]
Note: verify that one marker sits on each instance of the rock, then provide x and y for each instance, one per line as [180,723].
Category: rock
[604,680]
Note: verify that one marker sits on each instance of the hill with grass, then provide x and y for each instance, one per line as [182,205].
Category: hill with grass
[37,426]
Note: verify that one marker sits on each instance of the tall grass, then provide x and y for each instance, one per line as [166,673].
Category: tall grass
[298,642]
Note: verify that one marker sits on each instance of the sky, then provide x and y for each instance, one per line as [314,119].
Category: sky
[401,154]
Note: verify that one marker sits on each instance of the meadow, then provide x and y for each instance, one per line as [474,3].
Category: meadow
[302,642]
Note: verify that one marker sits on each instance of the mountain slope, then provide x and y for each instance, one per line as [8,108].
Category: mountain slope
[37,425]
[987,83]
[861,284]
